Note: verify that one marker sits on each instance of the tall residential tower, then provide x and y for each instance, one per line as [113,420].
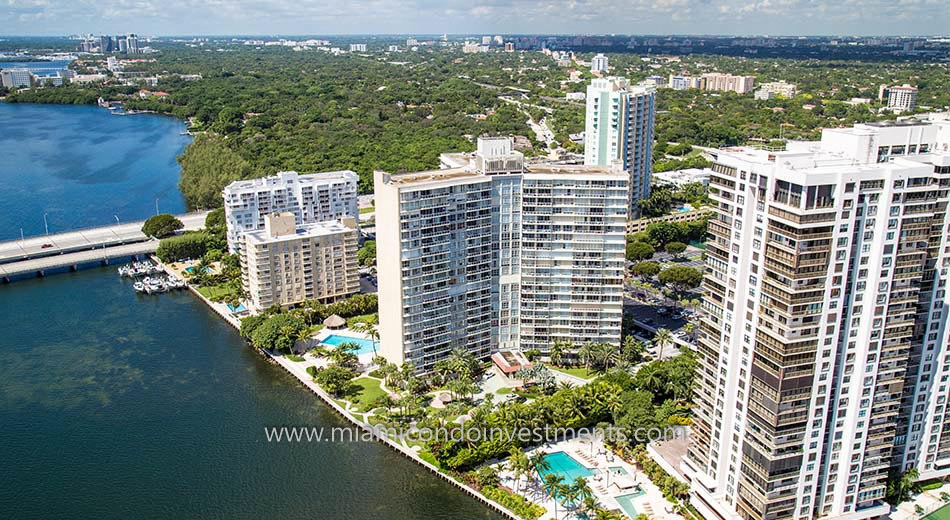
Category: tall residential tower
[619,130]
[823,350]
[489,253]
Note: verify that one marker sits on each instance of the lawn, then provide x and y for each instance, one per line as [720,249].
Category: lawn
[214,293]
[368,209]
[576,372]
[365,391]
[941,514]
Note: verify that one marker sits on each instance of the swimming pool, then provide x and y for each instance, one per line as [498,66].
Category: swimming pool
[564,465]
[626,503]
[191,269]
[239,308]
[366,346]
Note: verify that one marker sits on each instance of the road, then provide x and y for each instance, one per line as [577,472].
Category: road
[75,248]
[85,239]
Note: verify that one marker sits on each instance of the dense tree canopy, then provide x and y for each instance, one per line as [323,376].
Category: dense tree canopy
[161,226]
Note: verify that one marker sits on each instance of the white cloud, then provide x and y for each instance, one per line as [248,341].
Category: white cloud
[462,16]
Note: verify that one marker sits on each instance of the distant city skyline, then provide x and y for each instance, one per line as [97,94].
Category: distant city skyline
[258,17]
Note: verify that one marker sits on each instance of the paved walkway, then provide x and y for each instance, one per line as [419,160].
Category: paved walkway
[928,501]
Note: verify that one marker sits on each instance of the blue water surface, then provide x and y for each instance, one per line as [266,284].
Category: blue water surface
[84,167]
[366,346]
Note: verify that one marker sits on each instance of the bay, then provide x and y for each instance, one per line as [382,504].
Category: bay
[119,405]
[84,167]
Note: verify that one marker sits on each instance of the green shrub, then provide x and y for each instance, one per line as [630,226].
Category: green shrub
[189,245]
[514,503]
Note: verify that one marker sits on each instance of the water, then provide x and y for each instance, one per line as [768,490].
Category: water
[366,346]
[566,466]
[84,167]
[127,406]
[42,68]
[116,405]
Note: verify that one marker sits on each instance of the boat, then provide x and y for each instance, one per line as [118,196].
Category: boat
[139,287]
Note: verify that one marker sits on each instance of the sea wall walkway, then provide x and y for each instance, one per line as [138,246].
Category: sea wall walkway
[300,373]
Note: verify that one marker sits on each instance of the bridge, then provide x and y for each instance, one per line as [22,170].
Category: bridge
[72,249]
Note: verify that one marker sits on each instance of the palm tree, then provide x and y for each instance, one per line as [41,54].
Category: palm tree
[690,331]
[304,335]
[899,489]
[518,464]
[662,338]
[590,505]
[586,355]
[605,355]
[551,484]
[461,363]
[632,350]
[613,403]
[650,379]
[538,462]
[581,491]
[557,351]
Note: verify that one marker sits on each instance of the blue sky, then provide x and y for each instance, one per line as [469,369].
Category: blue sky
[176,17]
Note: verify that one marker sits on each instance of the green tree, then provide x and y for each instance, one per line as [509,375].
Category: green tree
[661,339]
[900,486]
[680,278]
[161,226]
[639,251]
[207,166]
[552,485]
[277,333]
[675,248]
[645,270]
[662,233]
[587,354]
[367,253]
[216,219]
[335,379]
[518,464]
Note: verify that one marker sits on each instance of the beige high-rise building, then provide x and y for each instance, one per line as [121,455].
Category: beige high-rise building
[490,253]
[721,82]
[286,263]
[823,347]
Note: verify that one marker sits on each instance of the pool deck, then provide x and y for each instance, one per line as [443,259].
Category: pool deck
[929,502]
[592,454]
[364,359]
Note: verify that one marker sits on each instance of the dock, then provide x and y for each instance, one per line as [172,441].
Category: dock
[71,250]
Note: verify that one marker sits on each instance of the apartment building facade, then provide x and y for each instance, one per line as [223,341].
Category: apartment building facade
[902,98]
[286,263]
[619,129]
[776,88]
[489,253]
[824,331]
[721,82]
[599,64]
[310,198]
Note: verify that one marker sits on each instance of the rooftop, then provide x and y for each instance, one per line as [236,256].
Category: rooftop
[447,174]
[315,229]
[469,172]
[291,176]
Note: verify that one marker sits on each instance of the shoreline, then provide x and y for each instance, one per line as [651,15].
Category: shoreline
[305,380]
